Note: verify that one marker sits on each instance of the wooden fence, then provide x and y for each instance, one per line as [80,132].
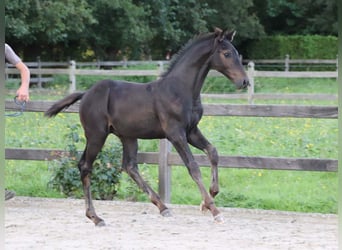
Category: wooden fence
[252,74]
[165,158]
[288,63]
[72,71]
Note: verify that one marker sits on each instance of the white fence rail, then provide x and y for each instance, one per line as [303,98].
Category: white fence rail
[74,69]
[288,63]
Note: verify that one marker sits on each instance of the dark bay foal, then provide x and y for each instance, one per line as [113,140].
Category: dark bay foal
[169,107]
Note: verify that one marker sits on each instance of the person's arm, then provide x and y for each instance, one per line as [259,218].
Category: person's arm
[23,91]
[13,58]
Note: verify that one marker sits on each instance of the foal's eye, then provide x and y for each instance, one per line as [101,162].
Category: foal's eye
[227,54]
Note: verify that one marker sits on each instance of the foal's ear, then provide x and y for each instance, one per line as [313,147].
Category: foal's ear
[230,35]
[217,31]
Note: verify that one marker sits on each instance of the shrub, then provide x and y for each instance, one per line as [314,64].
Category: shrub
[105,176]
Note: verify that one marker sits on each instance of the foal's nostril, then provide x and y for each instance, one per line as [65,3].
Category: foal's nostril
[246,83]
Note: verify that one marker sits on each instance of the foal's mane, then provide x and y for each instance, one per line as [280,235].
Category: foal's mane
[192,42]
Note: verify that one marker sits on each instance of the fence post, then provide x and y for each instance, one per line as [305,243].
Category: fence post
[287,62]
[164,187]
[72,76]
[98,63]
[39,66]
[160,69]
[6,74]
[124,62]
[250,73]
[337,62]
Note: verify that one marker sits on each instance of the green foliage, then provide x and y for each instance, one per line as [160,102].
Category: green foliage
[298,17]
[173,24]
[46,21]
[298,47]
[140,29]
[236,15]
[121,29]
[33,27]
[105,176]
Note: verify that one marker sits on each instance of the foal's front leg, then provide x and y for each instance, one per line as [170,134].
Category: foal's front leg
[197,139]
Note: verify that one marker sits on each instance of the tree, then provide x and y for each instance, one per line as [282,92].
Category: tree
[42,24]
[121,29]
[174,22]
[238,15]
[139,29]
[298,17]
[322,17]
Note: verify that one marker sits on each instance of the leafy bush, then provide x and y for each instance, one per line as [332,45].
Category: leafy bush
[105,176]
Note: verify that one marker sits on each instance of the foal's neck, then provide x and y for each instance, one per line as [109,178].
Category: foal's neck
[194,66]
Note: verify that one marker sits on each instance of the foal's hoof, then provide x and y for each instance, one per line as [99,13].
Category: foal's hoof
[101,223]
[166,213]
[219,219]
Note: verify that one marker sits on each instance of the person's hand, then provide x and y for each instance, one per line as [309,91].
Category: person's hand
[23,91]
[23,94]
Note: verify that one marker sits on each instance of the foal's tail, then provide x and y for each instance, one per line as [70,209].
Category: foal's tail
[64,103]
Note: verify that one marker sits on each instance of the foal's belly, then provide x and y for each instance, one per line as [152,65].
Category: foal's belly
[137,128]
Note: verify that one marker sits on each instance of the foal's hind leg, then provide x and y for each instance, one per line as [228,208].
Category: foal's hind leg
[197,139]
[130,149]
[85,165]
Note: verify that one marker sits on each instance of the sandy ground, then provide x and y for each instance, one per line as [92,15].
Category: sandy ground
[37,223]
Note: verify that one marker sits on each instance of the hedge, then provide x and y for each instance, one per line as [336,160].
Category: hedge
[297,46]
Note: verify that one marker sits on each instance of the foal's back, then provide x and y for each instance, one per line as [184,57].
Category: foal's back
[123,108]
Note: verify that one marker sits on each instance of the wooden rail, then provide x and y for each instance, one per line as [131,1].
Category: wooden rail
[225,161]
[165,158]
[72,71]
[252,74]
[286,62]
[299,111]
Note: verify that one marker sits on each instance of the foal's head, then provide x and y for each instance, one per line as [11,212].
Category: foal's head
[226,59]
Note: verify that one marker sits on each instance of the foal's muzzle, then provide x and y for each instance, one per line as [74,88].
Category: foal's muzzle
[243,84]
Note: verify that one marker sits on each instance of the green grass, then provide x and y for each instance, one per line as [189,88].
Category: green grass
[250,136]
[296,85]
[265,189]
[29,178]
